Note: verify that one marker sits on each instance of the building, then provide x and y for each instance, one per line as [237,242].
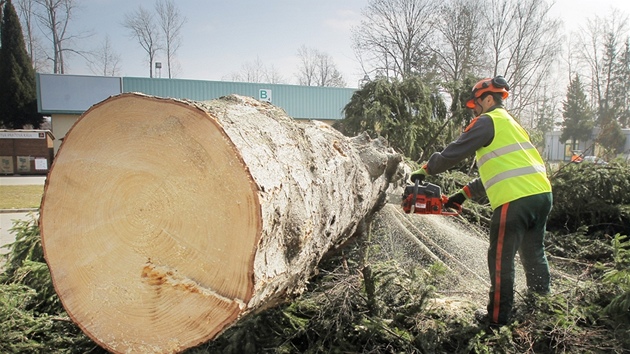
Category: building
[66,97]
[556,150]
[25,152]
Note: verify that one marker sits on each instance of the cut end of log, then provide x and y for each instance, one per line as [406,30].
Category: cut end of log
[150,220]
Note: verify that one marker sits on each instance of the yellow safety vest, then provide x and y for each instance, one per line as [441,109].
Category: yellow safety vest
[510,167]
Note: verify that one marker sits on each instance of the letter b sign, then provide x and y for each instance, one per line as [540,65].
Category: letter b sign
[264,95]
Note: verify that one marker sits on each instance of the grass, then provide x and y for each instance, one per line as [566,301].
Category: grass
[20,197]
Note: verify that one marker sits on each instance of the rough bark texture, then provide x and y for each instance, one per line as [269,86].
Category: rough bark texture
[165,221]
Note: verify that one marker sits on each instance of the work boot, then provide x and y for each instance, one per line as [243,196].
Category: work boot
[481,315]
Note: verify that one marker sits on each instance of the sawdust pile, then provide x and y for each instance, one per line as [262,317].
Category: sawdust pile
[422,240]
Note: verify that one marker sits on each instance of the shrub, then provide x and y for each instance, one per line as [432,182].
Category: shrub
[591,195]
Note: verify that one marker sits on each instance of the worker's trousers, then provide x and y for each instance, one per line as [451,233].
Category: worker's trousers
[517,226]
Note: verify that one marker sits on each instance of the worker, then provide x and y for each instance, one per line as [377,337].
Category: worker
[514,179]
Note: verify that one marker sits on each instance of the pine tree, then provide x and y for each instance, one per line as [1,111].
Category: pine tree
[544,119]
[611,138]
[18,97]
[545,115]
[620,86]
[578,121]
[606,109]
[407,113]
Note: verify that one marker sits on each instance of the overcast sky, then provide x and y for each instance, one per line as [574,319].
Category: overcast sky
[220,36]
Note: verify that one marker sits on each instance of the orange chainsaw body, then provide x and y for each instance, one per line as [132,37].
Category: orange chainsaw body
[426,198]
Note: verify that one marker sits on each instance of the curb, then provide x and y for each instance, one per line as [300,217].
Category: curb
[24,210]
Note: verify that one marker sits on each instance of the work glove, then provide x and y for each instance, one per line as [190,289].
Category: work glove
[456,200]
[419,174]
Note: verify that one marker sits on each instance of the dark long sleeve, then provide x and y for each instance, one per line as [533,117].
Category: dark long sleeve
[476,189]
[478,134]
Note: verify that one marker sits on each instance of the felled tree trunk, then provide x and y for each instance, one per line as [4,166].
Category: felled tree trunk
[164,221]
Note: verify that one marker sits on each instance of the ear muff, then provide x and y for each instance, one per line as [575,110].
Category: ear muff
[500,83]
[497,84]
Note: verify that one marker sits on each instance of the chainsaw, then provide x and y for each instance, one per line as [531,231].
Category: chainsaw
[426,198]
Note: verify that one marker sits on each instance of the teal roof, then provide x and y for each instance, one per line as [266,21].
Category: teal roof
[302,102]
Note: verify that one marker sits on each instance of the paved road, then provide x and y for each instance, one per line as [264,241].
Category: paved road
[6,222]
[7,218]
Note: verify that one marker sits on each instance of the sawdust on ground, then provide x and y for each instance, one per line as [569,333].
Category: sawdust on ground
[422,240]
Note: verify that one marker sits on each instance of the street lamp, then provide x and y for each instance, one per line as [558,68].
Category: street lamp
[158,69]
[364,80]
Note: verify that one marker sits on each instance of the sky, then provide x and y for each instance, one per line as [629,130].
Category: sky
[221,36]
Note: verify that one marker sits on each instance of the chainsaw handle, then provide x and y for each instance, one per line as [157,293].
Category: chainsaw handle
[457,211]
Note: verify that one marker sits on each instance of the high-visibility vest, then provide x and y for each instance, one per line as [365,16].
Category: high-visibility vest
[510,167]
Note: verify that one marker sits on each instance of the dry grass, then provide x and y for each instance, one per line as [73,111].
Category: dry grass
[20,197]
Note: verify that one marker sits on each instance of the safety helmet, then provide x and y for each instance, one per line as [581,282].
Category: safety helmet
[497,85]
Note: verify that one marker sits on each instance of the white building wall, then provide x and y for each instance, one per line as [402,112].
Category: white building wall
[555,149]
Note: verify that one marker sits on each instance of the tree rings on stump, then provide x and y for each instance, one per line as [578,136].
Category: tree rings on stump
[150,221]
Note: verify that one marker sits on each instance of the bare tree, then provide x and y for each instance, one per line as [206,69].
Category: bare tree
[171,22]
[256,71]
[459,43]
[25,7]
[55,17]
[104,60]
[328,73]
[570,56]
[33,42]
[524,45]
[273,76]
[318,69]
[393,36]
[143,28]
[307,68]
[600,41]
[498,21]
[253,71]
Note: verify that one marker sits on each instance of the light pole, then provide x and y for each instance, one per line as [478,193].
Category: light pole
[364,81]
[158,69]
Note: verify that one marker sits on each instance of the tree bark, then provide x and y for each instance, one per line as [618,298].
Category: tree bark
[165,221]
